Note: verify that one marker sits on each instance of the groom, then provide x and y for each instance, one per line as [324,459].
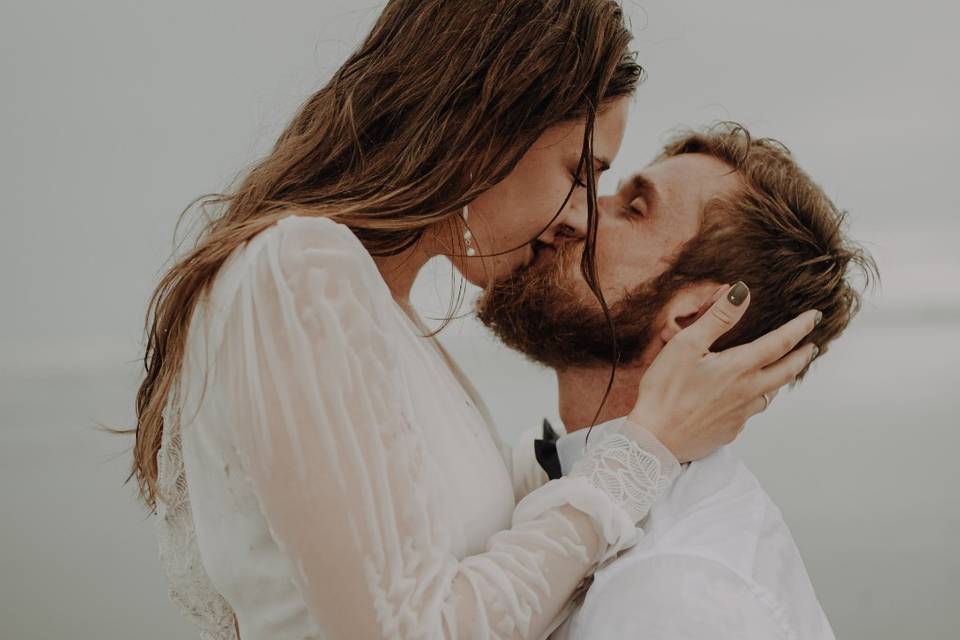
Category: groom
[717,560]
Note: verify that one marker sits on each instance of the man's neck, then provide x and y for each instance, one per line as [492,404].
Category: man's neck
[581,391]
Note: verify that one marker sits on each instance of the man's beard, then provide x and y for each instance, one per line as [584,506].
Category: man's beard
[540,312]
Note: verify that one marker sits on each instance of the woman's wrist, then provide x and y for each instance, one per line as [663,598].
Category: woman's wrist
[647,416]
[652,444]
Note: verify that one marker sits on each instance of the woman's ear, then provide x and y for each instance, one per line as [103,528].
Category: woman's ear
[688,304]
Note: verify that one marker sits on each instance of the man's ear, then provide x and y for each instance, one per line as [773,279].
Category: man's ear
[688,304]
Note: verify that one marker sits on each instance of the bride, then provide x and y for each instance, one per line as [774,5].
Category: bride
[319,466]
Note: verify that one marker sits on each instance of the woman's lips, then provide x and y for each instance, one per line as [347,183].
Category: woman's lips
[541,251]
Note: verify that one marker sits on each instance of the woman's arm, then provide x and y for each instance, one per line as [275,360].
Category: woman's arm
[308,378]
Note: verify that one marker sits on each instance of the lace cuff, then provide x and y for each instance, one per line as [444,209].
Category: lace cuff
[669,465]
[629,474]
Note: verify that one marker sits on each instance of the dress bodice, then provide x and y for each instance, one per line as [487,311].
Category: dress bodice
[325,475]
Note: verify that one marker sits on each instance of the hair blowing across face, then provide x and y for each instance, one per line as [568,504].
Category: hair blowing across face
[439,91]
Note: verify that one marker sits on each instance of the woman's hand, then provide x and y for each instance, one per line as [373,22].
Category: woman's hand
[694,400]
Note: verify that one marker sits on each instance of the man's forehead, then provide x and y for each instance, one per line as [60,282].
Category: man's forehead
[696,174]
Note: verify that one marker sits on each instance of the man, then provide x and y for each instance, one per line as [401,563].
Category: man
[717,560]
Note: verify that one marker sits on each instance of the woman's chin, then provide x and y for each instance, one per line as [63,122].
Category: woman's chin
[480,271]
[473,272]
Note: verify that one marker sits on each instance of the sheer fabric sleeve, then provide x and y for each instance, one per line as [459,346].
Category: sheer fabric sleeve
[309,384]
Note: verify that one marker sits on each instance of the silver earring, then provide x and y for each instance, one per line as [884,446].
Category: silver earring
[467,236]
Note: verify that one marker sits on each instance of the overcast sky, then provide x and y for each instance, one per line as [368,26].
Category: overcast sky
[116,114]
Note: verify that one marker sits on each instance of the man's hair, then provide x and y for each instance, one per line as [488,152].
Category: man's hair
[778,232]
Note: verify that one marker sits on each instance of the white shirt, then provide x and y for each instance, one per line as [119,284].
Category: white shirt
[325,474]
[716,562]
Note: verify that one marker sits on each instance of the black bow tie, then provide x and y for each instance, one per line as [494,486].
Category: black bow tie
[545,450]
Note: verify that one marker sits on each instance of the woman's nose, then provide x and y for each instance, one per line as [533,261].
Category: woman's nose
[605,206]
[571,224]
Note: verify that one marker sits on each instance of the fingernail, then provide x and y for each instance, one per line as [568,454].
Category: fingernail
[814,353]
[817,318]
[738,294]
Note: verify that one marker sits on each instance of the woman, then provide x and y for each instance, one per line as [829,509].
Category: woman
[320,467]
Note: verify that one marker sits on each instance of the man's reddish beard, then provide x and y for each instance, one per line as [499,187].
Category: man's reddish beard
[541,312]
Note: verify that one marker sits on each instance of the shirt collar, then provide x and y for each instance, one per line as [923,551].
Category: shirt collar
[571,447]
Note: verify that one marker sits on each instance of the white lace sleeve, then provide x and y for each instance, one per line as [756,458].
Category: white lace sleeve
[188,585]
[314,398]
[630,465]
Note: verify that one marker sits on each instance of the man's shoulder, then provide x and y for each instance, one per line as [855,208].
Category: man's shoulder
[716,514]
[670,596]
[716,524]
[717,509]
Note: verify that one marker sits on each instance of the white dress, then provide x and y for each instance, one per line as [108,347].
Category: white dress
[324,474]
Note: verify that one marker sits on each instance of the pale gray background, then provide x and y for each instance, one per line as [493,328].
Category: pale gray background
[115,114]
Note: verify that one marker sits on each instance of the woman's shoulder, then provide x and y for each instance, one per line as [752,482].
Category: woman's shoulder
[306,260]
[299,247]
[304,240]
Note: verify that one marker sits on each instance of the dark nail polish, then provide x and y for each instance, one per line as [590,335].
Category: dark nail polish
[738,294]
[818,318]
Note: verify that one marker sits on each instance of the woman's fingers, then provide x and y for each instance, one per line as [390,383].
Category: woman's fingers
[720,318]
[757,405]
[784,371]
[761,404]
[771,347]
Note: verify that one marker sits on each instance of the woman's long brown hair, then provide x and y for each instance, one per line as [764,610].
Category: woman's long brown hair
[439,91]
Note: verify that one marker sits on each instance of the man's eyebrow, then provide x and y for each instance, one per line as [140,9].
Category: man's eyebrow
[645,188]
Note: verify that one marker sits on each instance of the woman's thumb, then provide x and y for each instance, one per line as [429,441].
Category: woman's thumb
[721,317]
